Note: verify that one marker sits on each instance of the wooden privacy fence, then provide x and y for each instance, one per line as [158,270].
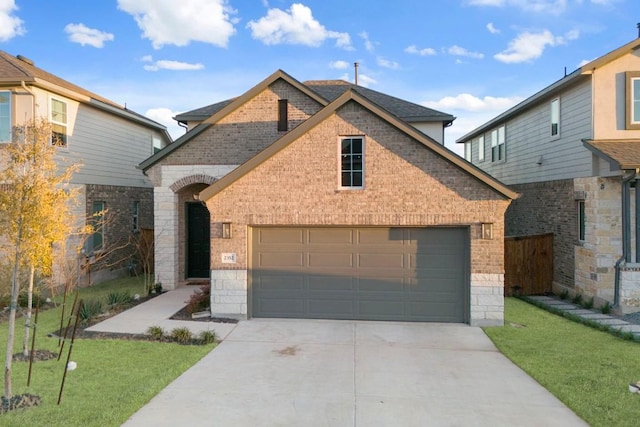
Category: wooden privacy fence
[528,264]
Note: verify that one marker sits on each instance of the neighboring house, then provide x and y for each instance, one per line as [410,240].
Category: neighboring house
[572,151]
[108,140]
[327,200]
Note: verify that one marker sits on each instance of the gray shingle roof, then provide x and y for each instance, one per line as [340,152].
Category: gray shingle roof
[331,90]
[623,153]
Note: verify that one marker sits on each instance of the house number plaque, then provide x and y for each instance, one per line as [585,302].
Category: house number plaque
[228,258]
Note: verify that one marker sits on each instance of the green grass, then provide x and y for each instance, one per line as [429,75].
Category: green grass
[587,369]
[114,378]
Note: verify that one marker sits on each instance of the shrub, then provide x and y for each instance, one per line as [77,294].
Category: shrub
[156,332]
[588,303]
[181,335]
[116,298]
[577,299]
[199,300]
[606,308]
[90,309]
[207,337]
[564,294]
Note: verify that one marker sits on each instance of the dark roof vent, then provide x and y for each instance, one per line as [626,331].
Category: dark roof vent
[24,59]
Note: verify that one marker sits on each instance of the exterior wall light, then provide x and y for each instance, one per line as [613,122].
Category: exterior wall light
[487,231]
[226,230]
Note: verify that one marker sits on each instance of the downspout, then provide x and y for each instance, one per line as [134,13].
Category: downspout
[33,95]
[626,233]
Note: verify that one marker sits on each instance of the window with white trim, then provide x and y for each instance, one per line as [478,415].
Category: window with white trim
[352,162]
[58,123]
[467,151]
[5,116]
[481,148]
[498,144]
[633,100]
[555,118]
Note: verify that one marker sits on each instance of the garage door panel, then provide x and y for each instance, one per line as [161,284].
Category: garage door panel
[279,260]
[279,282]
[407,274]
[330,260]
[376,236]
[280,236]
[334,283]
[373,260]
[333,236]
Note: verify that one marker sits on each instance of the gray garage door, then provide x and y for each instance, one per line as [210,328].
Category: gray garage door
[407,274]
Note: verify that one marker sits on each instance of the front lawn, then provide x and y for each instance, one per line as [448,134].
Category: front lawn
[113,379]
[587,369]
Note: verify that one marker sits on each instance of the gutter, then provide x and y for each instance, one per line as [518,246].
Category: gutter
[626,231]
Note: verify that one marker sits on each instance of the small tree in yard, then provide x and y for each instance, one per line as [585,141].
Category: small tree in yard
[34,213]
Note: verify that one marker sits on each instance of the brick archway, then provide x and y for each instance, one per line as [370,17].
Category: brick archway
[191,179]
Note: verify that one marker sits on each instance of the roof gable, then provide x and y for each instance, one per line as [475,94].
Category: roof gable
[348,96]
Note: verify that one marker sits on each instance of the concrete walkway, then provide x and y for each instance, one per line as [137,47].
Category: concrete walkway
[271,372]
[156,312]
[614,322]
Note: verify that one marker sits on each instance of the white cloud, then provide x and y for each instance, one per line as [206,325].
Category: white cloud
[339,65]
[468,102]
[165,64]
[10,25]
[554,7]
[165,116]
[492,28]
[368,44]
[584,62]
[427,51]
[295,26]
[166,22]
[385,63]
[528,46]
[83,35]
[460,51]
[363,79]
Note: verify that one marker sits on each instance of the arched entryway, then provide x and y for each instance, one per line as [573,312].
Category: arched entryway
[198,240]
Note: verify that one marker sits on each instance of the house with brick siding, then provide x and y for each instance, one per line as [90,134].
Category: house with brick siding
[572,151]
[328,200]
[107,140]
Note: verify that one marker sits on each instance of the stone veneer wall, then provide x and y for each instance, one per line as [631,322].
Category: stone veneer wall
[548,207]
[597,255]
[169,181]
[487,299]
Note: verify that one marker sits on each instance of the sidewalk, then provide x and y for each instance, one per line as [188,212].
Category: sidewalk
[615,322]
[156,312]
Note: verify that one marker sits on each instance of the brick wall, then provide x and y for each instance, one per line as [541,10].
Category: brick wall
[119,234]
[548,207]
[247,130]
[405,185]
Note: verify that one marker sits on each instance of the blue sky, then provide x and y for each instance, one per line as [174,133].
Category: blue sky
[469,58]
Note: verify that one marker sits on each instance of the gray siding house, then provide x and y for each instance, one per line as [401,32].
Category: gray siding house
[571,151]
[108,140]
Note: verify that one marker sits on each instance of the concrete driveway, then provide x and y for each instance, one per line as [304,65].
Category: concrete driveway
[345,373]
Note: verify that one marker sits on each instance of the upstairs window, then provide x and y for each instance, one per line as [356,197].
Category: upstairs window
[283,115]
[352,162]
[5,116]
[467,151]
[555,118]
[58,123]
[633,99]
[156,144]
[481,148]
[498,144]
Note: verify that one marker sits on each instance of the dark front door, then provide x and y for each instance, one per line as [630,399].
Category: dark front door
[198,240]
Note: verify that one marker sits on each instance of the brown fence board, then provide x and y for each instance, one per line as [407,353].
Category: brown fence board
[528,264]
